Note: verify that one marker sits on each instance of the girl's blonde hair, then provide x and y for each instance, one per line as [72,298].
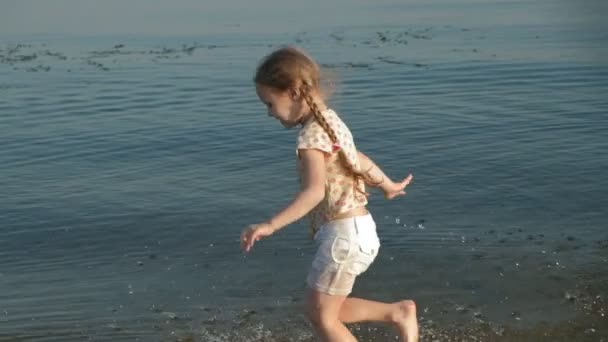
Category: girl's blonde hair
[290,68]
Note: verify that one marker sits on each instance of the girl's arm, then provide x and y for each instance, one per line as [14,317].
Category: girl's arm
[313,192]
[378,179]
[376,176]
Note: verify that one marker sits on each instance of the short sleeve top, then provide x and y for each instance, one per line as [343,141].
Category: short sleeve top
[342,192]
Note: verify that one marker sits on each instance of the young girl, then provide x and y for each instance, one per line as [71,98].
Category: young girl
[333,175]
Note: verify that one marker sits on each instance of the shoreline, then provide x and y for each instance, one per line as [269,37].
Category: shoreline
[590,323]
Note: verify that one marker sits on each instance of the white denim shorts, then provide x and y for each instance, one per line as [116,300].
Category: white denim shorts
[346,248]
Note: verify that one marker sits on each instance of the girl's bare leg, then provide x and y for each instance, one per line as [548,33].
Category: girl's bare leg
[323,311]
[401,314]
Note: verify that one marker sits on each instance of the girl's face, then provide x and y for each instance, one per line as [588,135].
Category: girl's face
[284,106]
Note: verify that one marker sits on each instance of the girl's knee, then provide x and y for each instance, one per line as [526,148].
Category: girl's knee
[326,324]
[409,305]
[320,318]
[323,310]
[403,310]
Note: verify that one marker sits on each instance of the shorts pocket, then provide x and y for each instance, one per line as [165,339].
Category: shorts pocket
[369,242]
[366,254]
[340,249]
[367,237]
[358,266]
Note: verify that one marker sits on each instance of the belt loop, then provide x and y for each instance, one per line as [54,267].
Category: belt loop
[356,227]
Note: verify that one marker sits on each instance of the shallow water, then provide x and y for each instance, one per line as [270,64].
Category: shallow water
[132,162]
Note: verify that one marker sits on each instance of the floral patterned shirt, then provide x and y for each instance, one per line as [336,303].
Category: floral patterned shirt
[341,193]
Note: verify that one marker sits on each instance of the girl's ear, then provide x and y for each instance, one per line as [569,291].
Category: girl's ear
[294,94]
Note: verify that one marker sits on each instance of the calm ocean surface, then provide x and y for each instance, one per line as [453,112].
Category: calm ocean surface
[130,163]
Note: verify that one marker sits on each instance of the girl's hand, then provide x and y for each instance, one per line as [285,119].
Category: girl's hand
[254,233]
[392,189]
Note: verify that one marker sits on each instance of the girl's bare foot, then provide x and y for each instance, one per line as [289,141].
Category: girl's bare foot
[404,318]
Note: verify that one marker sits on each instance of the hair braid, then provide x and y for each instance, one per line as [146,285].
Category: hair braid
[314,108]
